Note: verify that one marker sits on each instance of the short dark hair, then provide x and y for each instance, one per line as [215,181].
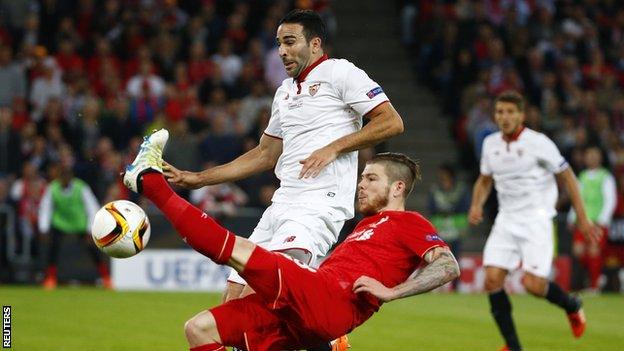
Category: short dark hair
[448,168]
[399,167]
[313,25]
[513,97]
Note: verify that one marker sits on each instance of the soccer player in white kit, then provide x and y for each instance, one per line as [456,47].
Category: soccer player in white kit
[312,138]
[523,164]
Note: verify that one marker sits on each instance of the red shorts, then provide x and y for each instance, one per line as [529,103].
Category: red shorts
[294,307]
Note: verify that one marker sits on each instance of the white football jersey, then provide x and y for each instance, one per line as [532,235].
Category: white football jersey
[523,171]
[325,104]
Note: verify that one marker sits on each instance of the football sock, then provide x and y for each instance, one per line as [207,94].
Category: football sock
[208,347]
[196,228]
[557,296]
[594,268]
[103,270]
[51,272]
[501,310]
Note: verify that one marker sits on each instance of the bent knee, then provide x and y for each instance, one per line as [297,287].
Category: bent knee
[534,285]
[493,285]
[202,328]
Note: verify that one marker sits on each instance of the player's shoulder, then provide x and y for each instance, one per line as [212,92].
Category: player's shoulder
[285,84]
[493,138]
[535,136]
[411,219]
[339,66]
[339,62]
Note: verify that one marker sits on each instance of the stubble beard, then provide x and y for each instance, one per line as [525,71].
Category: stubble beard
[374,204]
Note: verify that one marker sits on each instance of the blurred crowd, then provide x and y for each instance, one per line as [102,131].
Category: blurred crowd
[566,57]
[93,76]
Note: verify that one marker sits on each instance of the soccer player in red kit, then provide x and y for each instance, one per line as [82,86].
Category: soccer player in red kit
[296,306]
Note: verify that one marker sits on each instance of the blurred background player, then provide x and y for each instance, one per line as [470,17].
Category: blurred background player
[294,305]
[522,164]
[599,193]
[448,204]
[67,209]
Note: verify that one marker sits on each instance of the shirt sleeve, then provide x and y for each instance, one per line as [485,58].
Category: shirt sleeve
[45,212]
[17,190]
[360,92]
[274,129]
[484,165]
[549,156]
[609,201]
[419,236]
[91,205]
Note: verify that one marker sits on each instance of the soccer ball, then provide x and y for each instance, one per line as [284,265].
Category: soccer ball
[120,229]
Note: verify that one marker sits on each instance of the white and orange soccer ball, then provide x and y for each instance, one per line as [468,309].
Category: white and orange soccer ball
[120,229]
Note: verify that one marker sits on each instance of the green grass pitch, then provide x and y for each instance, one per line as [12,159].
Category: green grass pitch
[87,319]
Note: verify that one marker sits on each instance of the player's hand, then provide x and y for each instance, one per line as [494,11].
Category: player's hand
[373,287]
[475,215]
[185,179]
[591,231]
[320,158]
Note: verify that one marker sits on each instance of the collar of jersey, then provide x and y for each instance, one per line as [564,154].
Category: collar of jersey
[514,136]
[302,76]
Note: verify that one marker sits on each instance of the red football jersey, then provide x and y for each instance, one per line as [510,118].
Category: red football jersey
[388,247]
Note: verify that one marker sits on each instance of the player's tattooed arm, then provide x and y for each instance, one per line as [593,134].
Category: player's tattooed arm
[441,268]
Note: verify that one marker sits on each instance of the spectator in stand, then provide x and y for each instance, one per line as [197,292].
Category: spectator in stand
[71,64]
[10,160]
[46,87]
[12,77]
[252,104]
[146,84]
[200,67]
[229,63]
[146,91]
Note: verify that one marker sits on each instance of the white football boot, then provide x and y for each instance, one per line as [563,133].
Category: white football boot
[149,159]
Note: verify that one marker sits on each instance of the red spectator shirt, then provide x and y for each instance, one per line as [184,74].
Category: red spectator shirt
[387,246]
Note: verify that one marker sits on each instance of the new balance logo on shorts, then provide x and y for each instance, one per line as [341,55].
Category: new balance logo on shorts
[290,239]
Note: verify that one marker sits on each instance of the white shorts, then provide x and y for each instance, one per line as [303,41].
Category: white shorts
[286,226]
[521,239]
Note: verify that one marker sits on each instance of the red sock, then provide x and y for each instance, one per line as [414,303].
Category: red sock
[51,272]
[594,268]
[208,347]
[103,269]
[198,230]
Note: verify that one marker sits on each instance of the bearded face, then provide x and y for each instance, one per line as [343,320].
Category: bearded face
[373,190]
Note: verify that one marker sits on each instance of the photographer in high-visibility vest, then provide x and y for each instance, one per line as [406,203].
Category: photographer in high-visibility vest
[598,192]
[67,208]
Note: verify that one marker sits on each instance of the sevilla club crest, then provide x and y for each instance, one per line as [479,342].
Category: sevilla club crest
[314,88]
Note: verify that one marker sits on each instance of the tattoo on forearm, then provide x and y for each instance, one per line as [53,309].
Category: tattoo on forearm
[439,272]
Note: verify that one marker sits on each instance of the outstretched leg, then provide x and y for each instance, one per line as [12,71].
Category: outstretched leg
[196,228]
[207,237]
